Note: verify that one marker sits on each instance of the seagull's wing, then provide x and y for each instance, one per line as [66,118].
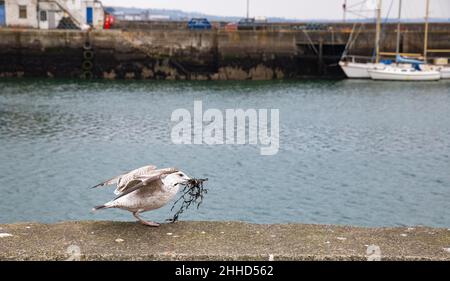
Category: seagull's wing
[136,177]
[155,177]
[129,178]
[123,179]
[108,182]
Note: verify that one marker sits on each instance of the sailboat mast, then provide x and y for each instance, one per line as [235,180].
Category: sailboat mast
[344,8]
[378,31]
[397,49]
[248,9]
[425,44]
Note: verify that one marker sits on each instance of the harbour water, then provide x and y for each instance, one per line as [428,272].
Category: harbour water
[351,152]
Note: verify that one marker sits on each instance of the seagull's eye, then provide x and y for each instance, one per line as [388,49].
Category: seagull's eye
[180,175]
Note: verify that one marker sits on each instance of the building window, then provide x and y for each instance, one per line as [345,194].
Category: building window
[22,12]
[43,15]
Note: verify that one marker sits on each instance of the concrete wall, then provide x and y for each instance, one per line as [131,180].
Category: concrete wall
[219,241]
[194,55]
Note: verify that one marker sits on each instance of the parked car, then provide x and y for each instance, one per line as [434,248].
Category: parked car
[247,24]
[262,20]
[251,24]
[199,24]
[231,26]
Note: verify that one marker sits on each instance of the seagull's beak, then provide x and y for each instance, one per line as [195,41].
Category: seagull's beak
[184,180]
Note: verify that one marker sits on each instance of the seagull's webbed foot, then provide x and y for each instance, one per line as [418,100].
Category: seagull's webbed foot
[147,223]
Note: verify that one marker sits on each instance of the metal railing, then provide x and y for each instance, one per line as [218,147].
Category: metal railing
[75,15]
[355,58]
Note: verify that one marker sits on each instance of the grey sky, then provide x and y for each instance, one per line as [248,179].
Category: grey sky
[300,9]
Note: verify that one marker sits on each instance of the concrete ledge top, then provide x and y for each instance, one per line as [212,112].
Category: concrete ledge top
[89,240]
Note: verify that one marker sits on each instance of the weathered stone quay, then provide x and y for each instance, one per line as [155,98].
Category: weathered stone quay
[90,240]
[145,51]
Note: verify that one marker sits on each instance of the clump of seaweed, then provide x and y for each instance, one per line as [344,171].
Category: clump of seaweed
[192,193]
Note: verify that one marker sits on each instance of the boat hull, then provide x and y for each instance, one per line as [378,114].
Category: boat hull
[356,70]
[445,73]
[380,74]
[444,70]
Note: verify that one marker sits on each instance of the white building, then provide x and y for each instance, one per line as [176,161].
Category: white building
[133,17]
[158,17]
[21,13]
[47,14]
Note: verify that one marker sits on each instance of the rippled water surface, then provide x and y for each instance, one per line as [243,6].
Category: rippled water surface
[351,152]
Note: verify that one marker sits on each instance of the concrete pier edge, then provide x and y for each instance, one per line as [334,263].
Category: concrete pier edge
[103,240]
[150,52]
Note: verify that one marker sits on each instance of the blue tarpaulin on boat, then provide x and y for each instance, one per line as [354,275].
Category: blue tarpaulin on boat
[401,59]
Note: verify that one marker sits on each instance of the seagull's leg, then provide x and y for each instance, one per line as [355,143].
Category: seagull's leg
[147,223]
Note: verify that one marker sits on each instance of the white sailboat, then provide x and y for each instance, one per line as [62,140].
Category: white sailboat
[413,71]
[445,72]
[395,73]
[354,69]
[406,70]
[358,69]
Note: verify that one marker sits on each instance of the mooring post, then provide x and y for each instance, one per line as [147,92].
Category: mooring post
[320,57]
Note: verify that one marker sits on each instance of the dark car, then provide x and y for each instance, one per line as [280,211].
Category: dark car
[199,24]
[251,24]
[247,24]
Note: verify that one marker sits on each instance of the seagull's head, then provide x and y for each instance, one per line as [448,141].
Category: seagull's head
[176,179]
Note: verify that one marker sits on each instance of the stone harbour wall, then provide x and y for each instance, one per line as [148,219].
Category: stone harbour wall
[178,54]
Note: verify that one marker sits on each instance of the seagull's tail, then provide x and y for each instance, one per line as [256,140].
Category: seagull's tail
[104,206]
[96,208]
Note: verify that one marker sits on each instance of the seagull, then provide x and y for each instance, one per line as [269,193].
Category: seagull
[144,189]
